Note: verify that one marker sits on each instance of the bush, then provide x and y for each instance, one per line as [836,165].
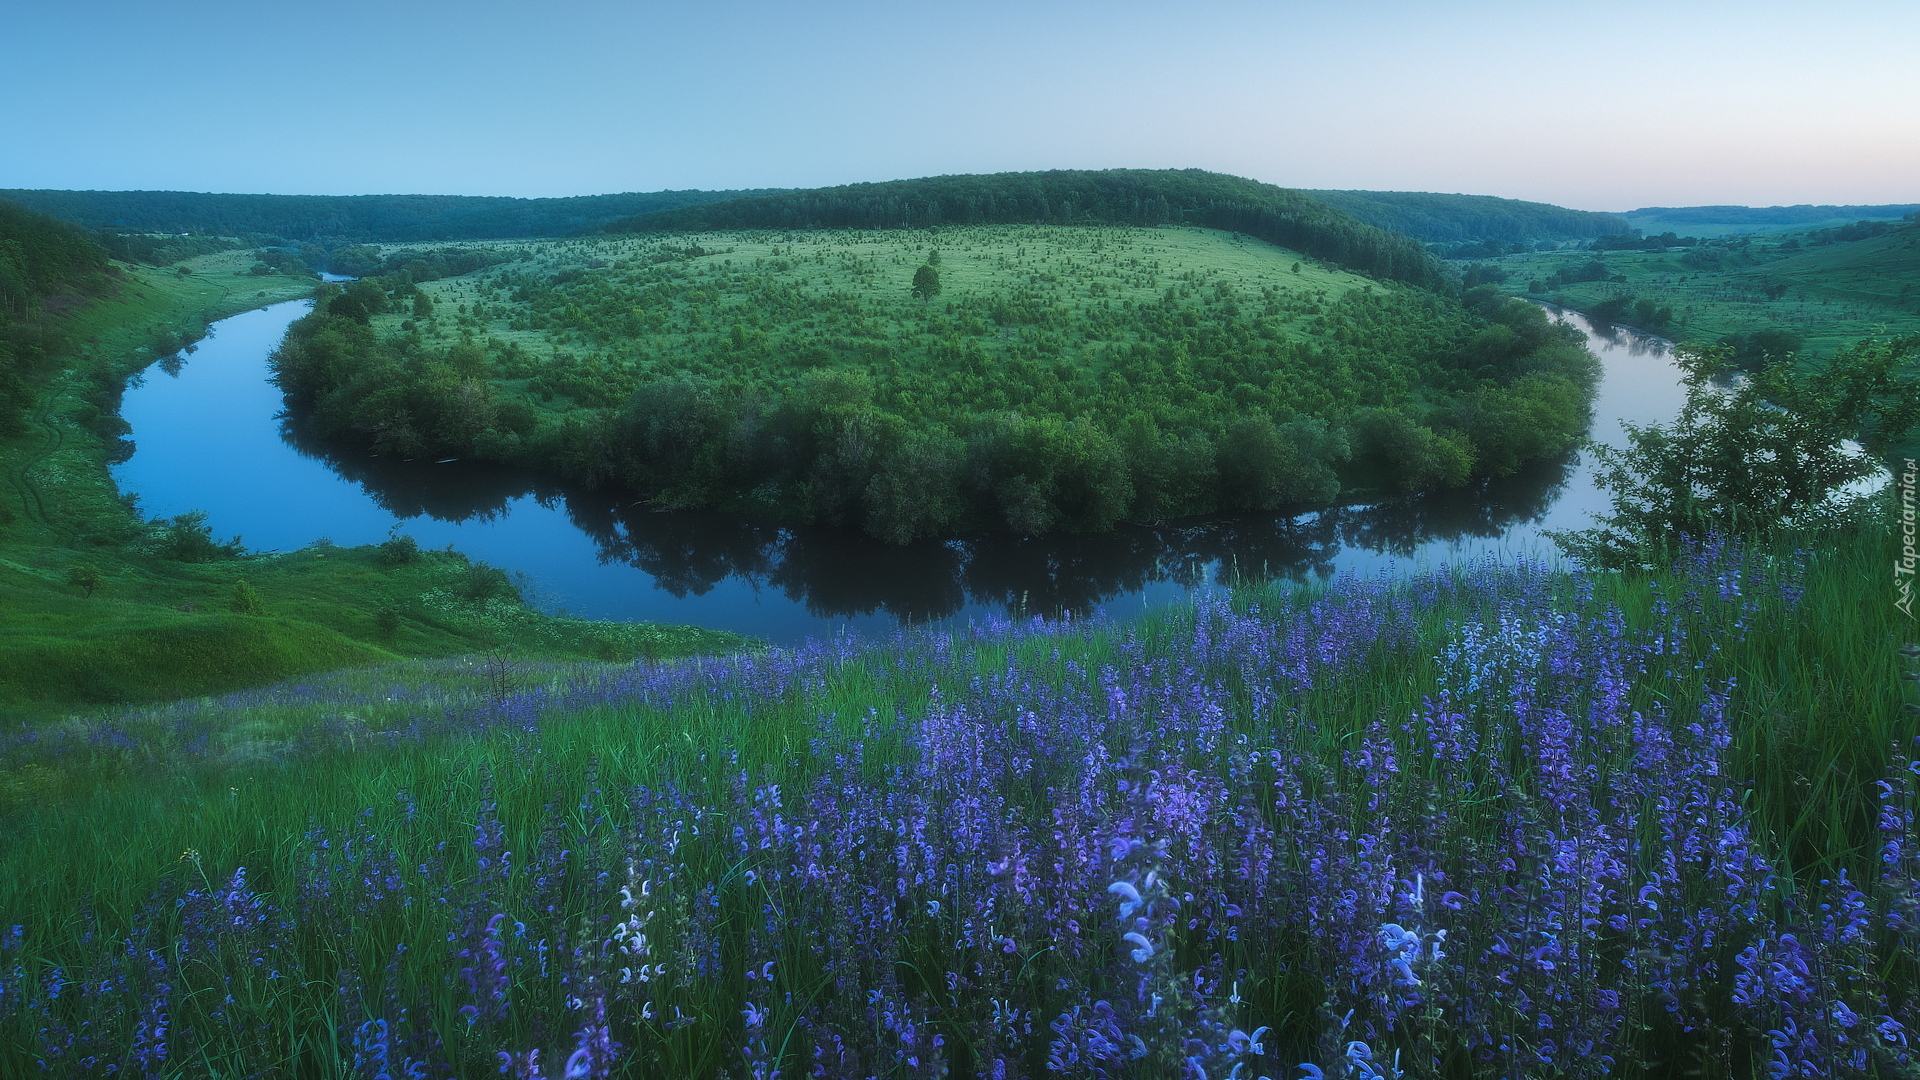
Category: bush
[399,549]
[189,539]
[85,576]
[483,582]
[245,600]
[1750,459]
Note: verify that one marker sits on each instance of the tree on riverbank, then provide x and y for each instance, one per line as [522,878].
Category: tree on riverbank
[1767,452]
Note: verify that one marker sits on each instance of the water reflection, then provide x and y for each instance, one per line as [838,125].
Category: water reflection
[209,440]
[839,573]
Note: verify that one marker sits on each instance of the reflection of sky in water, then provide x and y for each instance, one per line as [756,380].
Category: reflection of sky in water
[211,439]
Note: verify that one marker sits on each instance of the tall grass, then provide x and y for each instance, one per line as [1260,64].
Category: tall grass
[1495,821]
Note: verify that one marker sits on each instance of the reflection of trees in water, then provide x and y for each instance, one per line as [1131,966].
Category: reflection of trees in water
[1484,510]
[838,573]
[1610,335]
[455,491]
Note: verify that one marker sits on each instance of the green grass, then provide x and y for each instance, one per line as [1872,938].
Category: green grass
[156,628]
[844,299]
[1833,294]
[239,782]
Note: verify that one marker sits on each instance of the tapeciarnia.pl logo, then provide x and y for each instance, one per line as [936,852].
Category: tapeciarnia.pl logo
[1903,570]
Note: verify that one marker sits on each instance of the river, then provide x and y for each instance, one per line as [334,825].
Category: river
[210,436]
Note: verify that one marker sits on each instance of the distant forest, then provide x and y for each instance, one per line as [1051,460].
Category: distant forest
[350,217]
[1771,215]
[1435,218]
[1147,197]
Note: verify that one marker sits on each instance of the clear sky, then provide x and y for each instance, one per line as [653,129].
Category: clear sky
[1601,106]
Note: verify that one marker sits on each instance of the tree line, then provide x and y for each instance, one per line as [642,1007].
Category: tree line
[1142,197]
[1456,219]
[263,218]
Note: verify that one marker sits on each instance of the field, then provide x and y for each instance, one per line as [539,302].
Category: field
[1495,822]
[1040,378]
[163,618]
[1828,293]
[1027,318]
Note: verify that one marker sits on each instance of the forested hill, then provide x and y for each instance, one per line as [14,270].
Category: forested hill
[1278,215]
[352,217]
[1438,218]
[42,263]
[1730,220]
[41,257]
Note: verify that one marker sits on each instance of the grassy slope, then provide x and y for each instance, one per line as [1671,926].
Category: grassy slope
[1836,294]
[1079,268]
[159,629]
[1814,713]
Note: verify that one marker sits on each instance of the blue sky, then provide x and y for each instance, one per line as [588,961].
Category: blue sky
[1605,106]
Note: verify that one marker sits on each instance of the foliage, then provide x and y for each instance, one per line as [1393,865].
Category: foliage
[189,539]
[926,282]
[1763,454]
[1701,219]
[349,217]
[1437,218]
[1067,378]
[1497,822]
[1806,292]
[245,600]
[85,576]
[44,265]
[399,549]
[1139,197]
[159,249]
[1643,243]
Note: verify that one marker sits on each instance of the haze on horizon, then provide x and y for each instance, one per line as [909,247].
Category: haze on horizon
[1636,104]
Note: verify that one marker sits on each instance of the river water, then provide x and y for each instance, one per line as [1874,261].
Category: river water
[210,436]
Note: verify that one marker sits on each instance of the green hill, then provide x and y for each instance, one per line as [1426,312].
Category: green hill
[1452,219]
[1809,292]
[1141,197]
[1715,221]
[1883,270]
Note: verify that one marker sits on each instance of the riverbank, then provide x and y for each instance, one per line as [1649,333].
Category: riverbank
[105,608]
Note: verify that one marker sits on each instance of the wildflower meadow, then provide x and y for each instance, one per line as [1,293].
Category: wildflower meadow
[1501,820]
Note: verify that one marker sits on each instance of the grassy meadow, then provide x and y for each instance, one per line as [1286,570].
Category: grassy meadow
[1828,293]
[1496,821]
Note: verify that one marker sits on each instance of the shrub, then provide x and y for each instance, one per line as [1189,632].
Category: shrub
[245,600]
[399,549]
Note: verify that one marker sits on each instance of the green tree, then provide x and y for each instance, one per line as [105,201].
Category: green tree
[926,283]
[1750,458]
[245,600]
[85,576]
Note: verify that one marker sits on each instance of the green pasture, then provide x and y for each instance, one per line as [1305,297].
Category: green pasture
[1079,268]
[1832,294]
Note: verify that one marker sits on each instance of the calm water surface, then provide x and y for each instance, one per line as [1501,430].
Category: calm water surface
[211,437]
